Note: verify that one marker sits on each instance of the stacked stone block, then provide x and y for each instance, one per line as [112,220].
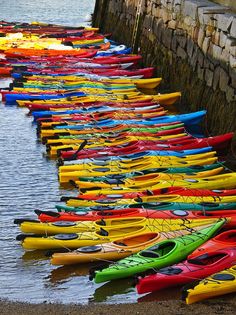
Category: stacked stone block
[192,44]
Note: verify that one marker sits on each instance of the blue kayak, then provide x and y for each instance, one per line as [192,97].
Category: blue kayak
[12,98]
[187,119]
[92,109]
[134,156]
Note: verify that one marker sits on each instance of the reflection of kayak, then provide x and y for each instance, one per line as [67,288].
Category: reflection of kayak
[223,240]
[160,255]
[104,235]
[189,270]
[220,283]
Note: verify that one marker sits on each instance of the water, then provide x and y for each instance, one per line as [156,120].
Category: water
[72,12]
[29,181]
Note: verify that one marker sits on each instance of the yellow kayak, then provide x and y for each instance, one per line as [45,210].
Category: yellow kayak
[162,99]
[152,159]
[65,227]
[156,198]
[65,177]
[220,283]
[139,83]
[115,250]
[76,240]
[222,181]
[137,180]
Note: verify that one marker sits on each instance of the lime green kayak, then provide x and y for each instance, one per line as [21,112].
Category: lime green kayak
[157,256]
[204,206]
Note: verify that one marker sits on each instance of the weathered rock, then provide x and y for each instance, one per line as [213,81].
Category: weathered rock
[201,36]
[216,52]
[230,94]
[200,72]
[190,46]
[181,53]
[224,21]
[209,77]
[167,37]
[206,44]
[224,80]
[223,38]
[232,61]
[233,28]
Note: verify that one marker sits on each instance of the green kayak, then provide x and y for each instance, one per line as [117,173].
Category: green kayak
[125,129]
[204,206]
[157,256]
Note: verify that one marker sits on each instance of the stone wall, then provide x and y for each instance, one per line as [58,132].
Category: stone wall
[192,44]
[230,3]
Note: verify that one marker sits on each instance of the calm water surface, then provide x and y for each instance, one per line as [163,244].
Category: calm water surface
[29,181]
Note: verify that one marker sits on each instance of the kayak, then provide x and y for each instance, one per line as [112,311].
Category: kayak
[142,155]
[12,98]
[184,143]
[76,240]
[100,142]
[111,251]
[202,206]
[104,171]
[139,180]
[152,139]
[223,240]
[75,139]
[164,224]
[222,181]
[39,115]
[187,119]
[219,283]
[152,159]
[189,270]
[52,216]
[160,255]
[183,191]
[157,199]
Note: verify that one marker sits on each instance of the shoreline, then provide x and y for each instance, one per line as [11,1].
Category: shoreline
[224,305]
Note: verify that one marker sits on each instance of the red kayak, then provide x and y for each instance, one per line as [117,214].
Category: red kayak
[37,105]
[223,240]
[95,114]
[135,212]
[87,57]
[218,143]
[182,191]
[114,59]
[189,270]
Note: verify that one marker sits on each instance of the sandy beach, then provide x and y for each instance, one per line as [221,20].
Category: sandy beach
[223,305]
